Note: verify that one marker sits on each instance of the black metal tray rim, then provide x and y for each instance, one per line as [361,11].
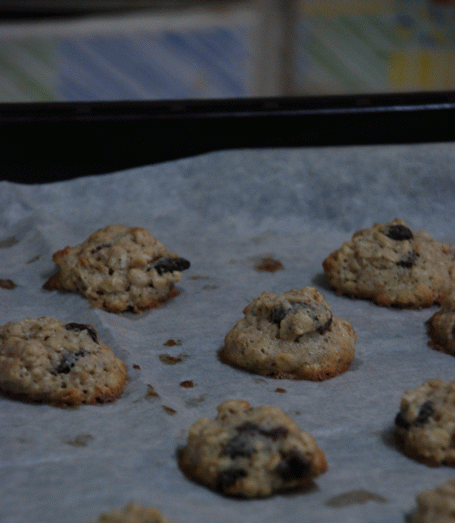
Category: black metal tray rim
[232,107]
[50,141]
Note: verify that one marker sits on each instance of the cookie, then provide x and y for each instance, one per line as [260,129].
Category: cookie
[290,335]
[58,363]
[441,326]
[250,452]
[435,505]
[133,513]
[393,266]
[119,269]
[425,424]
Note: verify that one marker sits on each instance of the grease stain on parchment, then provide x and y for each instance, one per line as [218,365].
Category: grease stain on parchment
[193,402]
[354,497]
[7,284]
[167,359]
[81,440]
[8,242]
[171,342]
[269,264]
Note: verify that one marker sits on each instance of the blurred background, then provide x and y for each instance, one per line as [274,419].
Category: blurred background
[94,50]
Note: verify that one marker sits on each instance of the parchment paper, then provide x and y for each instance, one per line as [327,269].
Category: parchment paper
[224,212]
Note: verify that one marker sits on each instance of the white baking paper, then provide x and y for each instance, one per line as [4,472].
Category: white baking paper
[224,212]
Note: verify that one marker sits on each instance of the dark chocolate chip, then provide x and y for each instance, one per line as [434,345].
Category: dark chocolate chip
[275,433]
[398,232]
[227,478]
[278,313]
[68,361]
[171,264]
[99,247]
[293,465]
[425,412]
[325,326]
[248,426]
[409,260]
[401,422]
[252,428]
[242,444]
[79,327]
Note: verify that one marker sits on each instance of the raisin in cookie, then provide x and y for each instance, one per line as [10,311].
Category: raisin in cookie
[435,505]
[441,326]
[133,513]
[290,335]
[119,269]
[250,452]
[58,363]
[393,266]
[425,424]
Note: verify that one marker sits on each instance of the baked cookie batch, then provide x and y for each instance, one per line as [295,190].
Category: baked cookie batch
[119,269]
[393,266]
[291,335]
[58,363]
[248,451]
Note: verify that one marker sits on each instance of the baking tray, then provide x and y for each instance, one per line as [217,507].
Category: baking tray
[226,184]
[54,141]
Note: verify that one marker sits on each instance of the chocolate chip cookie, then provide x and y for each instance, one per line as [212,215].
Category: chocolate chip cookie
[119,269]
[435,505]
[133,513]
[393,266]
[58,363]
[425,424]
[291,335]
[250,452]
[441,326]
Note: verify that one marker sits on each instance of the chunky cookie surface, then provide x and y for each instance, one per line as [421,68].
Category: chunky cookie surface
[63,364]
[441,326]
[393,266]
[250,452]
[133,513]
[291,335]
[435,505]
[119,269]
[425,424]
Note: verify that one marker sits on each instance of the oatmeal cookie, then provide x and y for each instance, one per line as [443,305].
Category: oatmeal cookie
[290,335]
[119,269]
[59,363]
[133,513]
[250,452]
[425,424]
[435,505]
[441,326]
[393,266]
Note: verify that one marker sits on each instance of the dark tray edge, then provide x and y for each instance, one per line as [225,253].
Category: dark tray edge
[45,142]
